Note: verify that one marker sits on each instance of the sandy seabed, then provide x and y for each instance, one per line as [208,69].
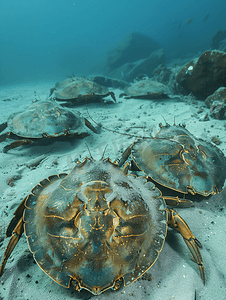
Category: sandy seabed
[174,275]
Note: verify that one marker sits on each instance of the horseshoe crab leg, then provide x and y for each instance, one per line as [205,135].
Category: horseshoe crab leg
[178,224]
[176,201]
[3,126]
[15,230]
[16,144]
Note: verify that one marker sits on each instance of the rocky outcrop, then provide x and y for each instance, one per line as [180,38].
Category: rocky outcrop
[217,39]
[218,110]
[162,74]
[222,45]
[110,82]
[218,95]
[217,104]
[130,71]
[204,75]
[136,46]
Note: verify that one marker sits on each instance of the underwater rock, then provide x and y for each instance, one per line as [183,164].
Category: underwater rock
[11,180]
[216,140]
[141,77]
[204,75]
[204,118]
[110,82]
[167,75]
[162,74]
[222,46]
[216,40]
[218,110]
[135,46]
[218,95]
[130,71]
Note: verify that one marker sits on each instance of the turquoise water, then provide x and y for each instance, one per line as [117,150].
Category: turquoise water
[49,40]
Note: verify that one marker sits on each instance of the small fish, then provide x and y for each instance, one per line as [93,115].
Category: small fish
[122,73]
[206,17]
[189,21]
[179,25]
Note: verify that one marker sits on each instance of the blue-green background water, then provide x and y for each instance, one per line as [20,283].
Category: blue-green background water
[48,40]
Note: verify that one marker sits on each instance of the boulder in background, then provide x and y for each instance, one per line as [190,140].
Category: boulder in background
[135,47]
[130,71]
[204,75]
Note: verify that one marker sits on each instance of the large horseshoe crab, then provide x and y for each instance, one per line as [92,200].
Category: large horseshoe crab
[96,228]
[177,160]
[77,90]
[147,89]
[44,121]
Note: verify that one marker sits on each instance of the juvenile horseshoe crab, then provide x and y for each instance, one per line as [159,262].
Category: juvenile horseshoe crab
[96,228]
[44,120]
[177,160]
[76,90]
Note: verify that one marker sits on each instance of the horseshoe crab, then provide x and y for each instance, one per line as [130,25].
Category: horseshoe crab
[146,89]
[44,120]
[76,90]
[177,160]
[96,228]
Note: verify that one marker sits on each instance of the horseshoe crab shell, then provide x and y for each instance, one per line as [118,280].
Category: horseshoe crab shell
[93,228]
[147,89]
[176,159]
[80,89]
[44,120]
